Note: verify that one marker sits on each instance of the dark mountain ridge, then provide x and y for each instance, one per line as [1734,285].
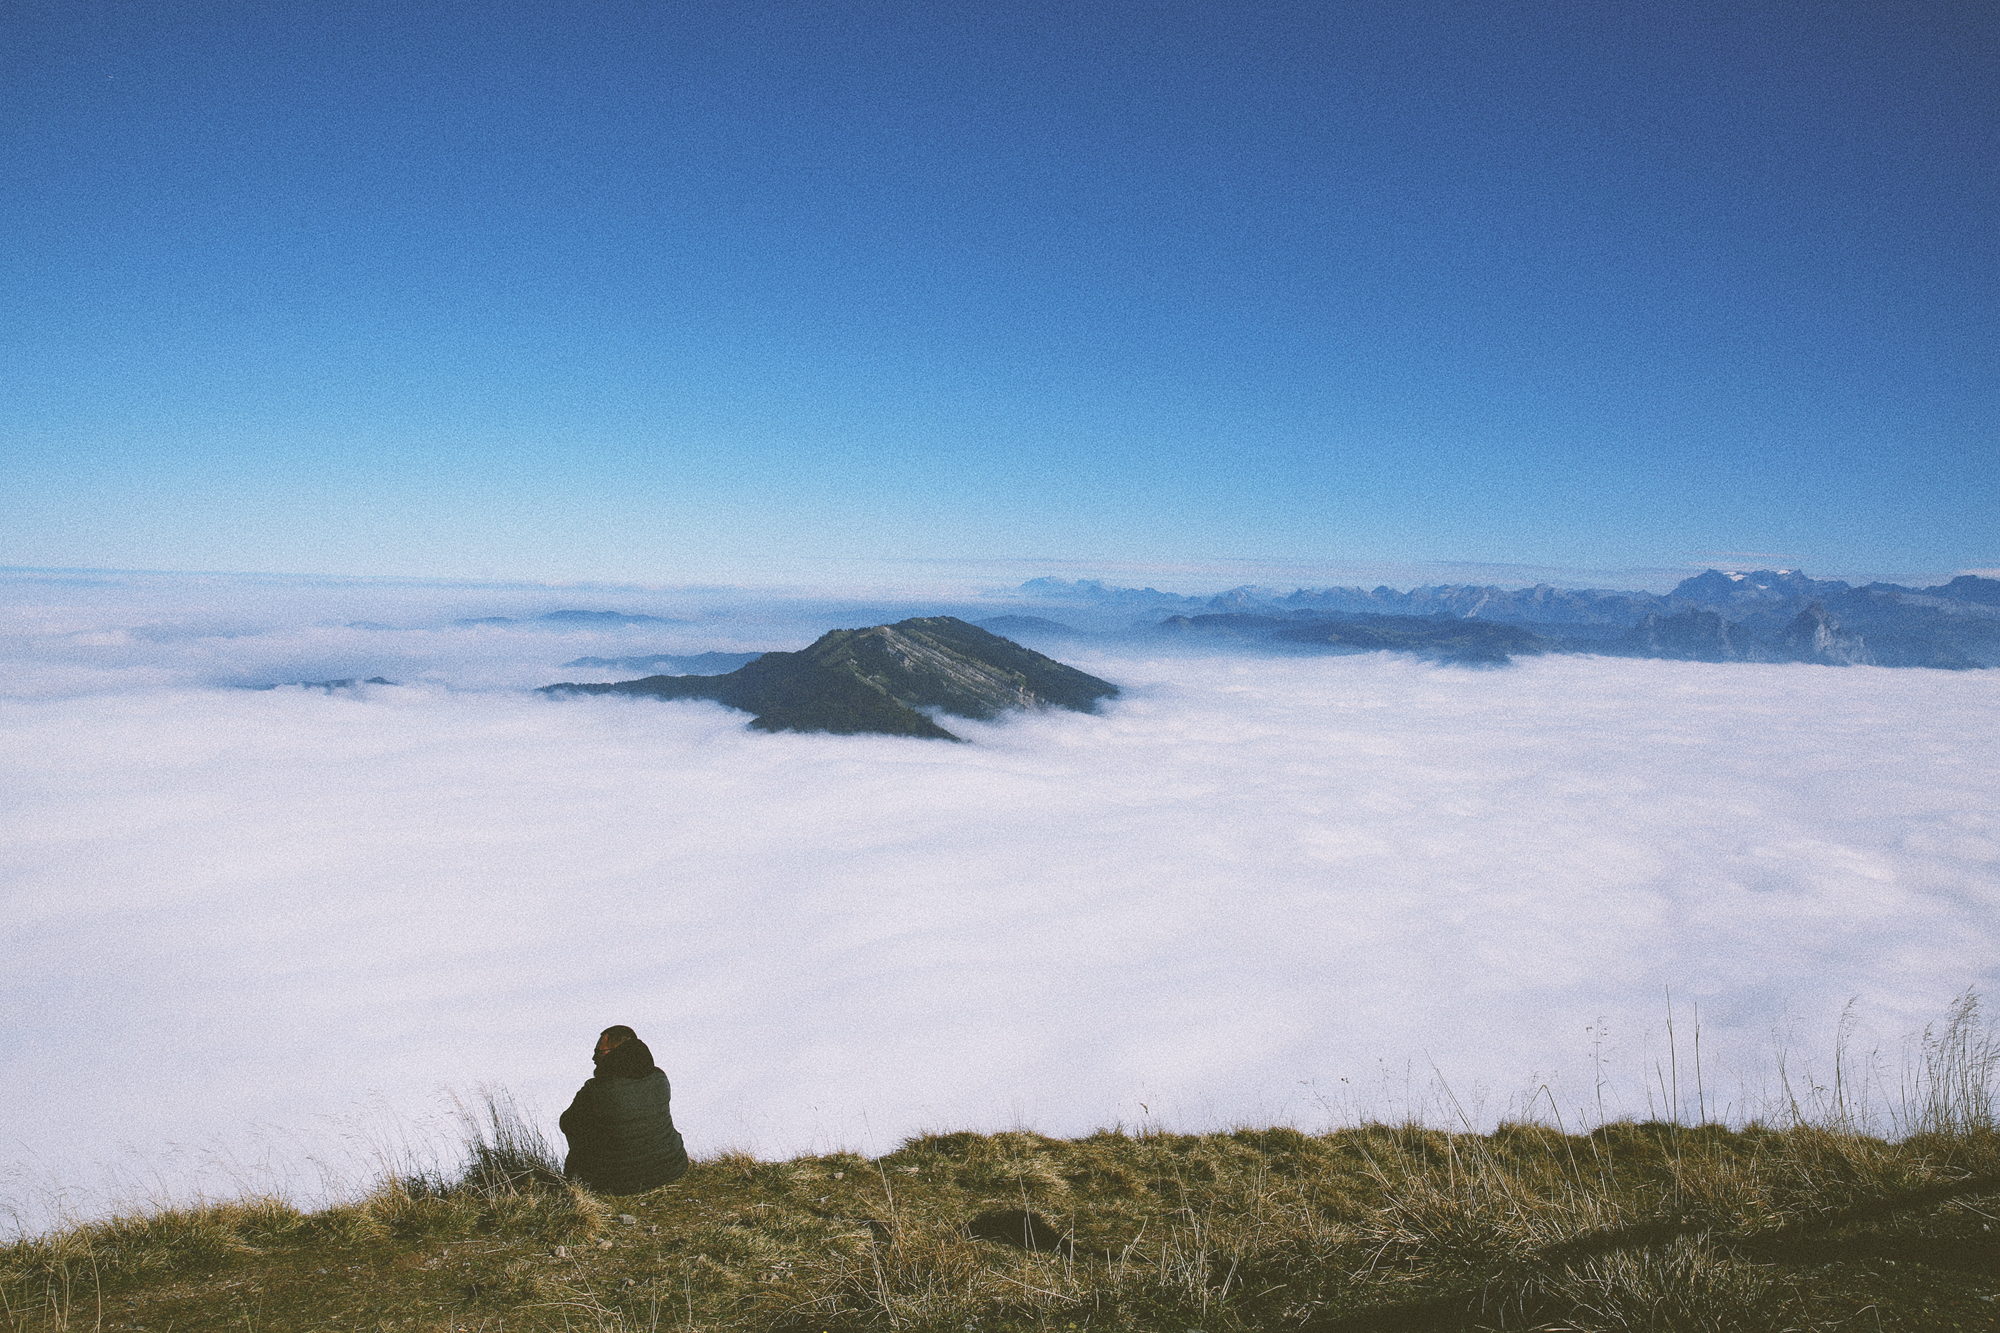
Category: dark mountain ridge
[880,680]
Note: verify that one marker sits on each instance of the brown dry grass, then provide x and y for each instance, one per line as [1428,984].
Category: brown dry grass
[1631,1227]
[1657,1226]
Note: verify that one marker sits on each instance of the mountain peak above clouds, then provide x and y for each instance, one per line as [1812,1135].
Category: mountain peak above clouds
[1735,587]
[879,680]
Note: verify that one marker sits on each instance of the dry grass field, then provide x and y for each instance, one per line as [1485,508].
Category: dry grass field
[1634,1226]
[1816,1224]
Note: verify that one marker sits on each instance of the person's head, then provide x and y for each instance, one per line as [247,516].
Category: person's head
[613,1037]
[620,1054]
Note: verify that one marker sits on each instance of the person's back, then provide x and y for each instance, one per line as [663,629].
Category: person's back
[620,1127]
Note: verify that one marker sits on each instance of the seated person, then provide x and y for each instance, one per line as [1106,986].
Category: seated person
[621,1133]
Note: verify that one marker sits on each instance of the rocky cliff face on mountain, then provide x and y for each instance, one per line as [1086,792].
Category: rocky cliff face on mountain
[881,680]
[1689,635]
[1695,635]
[1815,636]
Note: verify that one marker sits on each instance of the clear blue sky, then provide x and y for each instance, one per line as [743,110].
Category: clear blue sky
[636,290]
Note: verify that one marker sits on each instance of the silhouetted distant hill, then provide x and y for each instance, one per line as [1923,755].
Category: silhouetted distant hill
[877,680]
[571,619]
[671,664]
[601,618]
[325,686]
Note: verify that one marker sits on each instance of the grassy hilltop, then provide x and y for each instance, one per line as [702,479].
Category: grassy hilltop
[1635,1226]
[1815,1225]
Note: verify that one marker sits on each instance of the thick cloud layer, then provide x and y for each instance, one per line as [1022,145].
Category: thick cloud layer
[259,926]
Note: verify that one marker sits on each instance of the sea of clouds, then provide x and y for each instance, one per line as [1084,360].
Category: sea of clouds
[257,938]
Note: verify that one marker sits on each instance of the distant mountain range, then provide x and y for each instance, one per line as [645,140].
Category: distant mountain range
[1716,616]
[881,680]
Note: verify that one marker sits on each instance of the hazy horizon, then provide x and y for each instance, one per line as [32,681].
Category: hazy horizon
[968,576]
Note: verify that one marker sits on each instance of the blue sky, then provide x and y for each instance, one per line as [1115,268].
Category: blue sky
[649,291]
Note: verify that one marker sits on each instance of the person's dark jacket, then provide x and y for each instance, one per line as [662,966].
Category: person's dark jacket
[621,1131]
